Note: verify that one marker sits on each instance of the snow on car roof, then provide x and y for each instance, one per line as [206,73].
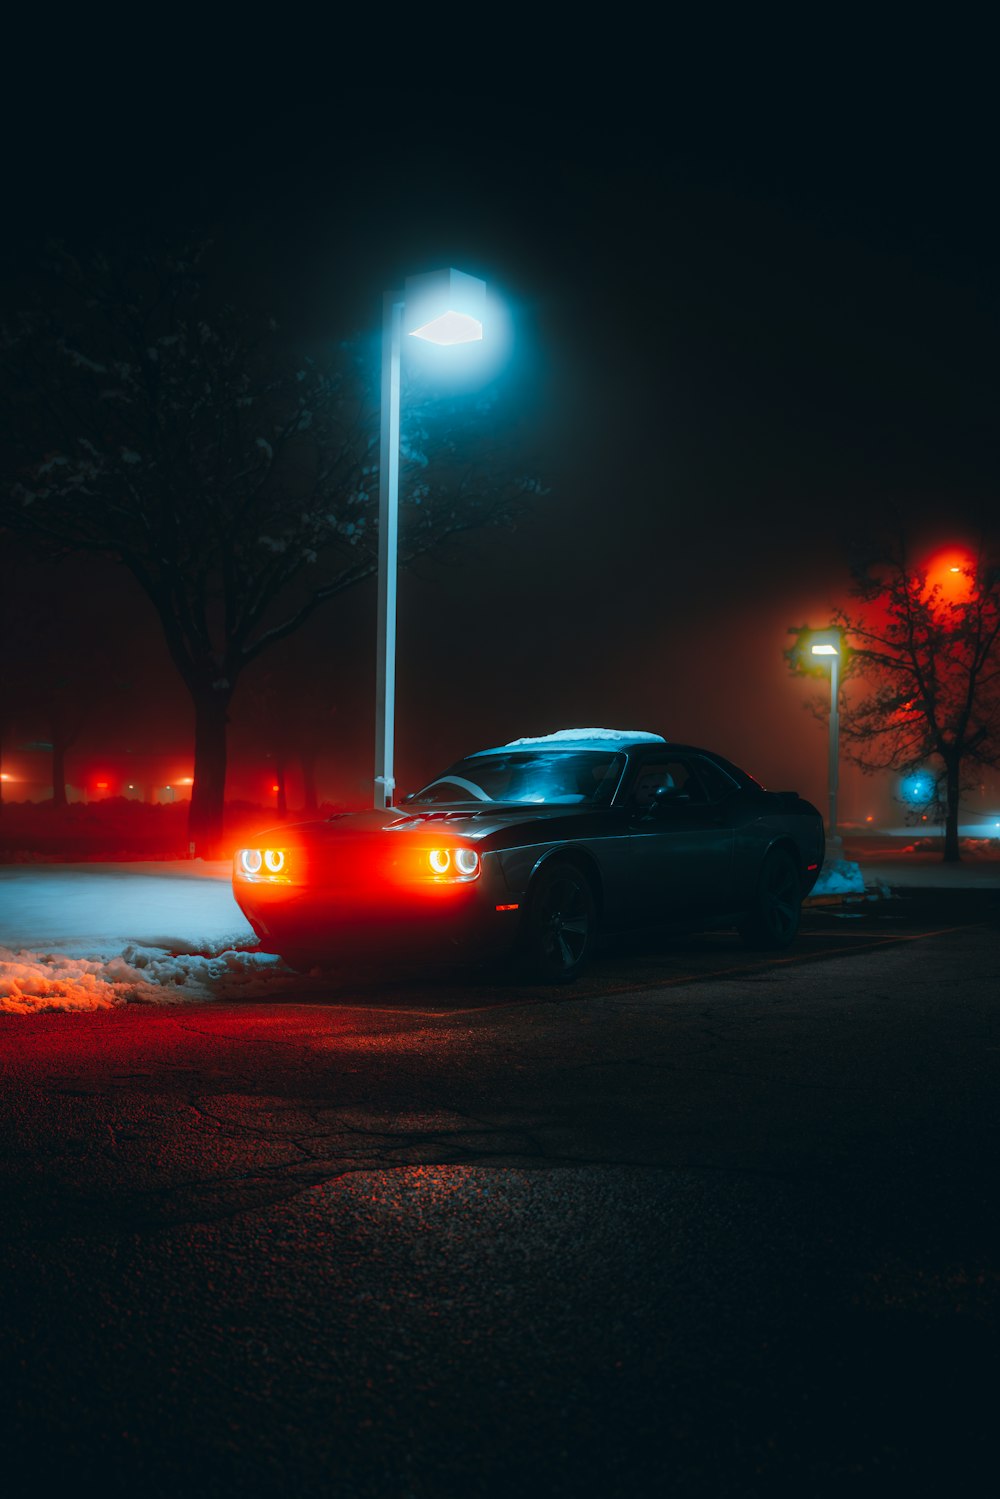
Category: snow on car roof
[582,738]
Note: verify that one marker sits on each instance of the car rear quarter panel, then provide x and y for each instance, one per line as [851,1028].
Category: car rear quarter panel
[795,824]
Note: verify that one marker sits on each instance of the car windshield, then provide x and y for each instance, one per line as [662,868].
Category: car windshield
[522,777]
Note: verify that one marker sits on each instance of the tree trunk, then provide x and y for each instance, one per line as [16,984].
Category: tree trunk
[951,851]
[211,716]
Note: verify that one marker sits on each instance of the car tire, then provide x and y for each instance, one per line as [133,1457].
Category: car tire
[772,921]
[560,923]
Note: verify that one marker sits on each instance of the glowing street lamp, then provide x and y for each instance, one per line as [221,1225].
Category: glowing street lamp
[828,644]
[442,307]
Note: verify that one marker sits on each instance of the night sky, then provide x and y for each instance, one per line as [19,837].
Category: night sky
[740,338]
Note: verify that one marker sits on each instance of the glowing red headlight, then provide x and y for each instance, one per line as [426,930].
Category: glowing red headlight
[262,864]
[454,863]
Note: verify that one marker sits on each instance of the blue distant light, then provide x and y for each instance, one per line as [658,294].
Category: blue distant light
[917,788]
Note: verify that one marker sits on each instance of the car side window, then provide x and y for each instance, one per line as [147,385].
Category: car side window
[658,780]
[716,781]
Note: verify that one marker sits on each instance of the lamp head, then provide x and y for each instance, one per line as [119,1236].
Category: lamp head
[828,642]
[444,307]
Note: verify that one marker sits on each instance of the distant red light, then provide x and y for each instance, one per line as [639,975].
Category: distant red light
[102,785]
[515,906]
[952,573]
[275,787]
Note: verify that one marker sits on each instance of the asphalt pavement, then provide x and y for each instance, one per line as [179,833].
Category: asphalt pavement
[708,1223]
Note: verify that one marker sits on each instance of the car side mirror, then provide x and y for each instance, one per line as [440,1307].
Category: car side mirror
[665,796]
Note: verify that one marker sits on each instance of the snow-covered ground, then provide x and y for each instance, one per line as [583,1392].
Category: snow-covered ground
[985,826]
[91,936]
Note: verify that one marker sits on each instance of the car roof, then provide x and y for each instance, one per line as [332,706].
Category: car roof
[618,739]
[591,739]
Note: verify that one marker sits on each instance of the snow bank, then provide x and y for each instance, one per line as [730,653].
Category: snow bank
[33,981]
[87,937]
[965,845]
[839,877]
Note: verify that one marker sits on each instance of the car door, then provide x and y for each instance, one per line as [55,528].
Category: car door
[681,837]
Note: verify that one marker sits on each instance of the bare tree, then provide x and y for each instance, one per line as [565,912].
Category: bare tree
[924,661]
[233,475]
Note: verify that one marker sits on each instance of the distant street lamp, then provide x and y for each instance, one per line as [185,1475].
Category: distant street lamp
[829,644]
[443,307]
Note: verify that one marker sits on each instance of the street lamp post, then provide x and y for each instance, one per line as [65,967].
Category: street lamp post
[443,307]
[831,650]
[388,527]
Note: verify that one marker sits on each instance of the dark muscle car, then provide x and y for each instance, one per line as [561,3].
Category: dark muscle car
[535,846]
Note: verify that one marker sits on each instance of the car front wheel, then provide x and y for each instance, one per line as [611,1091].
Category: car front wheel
[773,919]
[560,924]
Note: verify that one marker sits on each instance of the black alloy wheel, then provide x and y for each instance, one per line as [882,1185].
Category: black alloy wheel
[773,919]
[561,921]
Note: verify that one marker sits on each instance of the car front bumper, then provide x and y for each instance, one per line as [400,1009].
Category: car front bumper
[380,916]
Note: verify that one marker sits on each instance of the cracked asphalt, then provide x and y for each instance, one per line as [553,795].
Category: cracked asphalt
[706,1223]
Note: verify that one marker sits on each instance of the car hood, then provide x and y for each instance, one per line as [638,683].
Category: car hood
[471,825]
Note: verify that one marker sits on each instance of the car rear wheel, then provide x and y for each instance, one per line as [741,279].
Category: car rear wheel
[560,923]
[773,919]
